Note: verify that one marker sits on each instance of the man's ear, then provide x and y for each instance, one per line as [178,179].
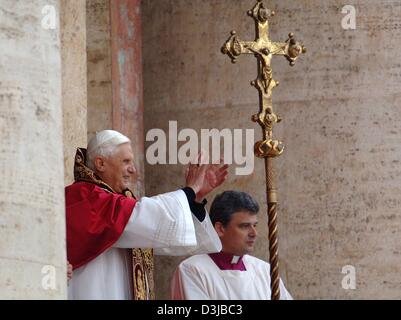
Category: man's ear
[99,164]
[218,226]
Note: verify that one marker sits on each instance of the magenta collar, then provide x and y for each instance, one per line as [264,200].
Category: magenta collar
[226,261]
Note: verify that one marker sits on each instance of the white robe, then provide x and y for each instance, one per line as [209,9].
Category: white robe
[163,222]
[199,278]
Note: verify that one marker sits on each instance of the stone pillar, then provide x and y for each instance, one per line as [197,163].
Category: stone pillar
[99,66]
[32,217]
[74,82]
[126,57]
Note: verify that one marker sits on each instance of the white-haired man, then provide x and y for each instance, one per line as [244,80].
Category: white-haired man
[104,220]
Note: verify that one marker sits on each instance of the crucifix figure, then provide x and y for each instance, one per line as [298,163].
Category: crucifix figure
[268,148]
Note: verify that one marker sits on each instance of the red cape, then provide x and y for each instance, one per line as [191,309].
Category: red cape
[95,219]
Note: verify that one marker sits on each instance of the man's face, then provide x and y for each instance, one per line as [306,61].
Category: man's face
[118,170]
[238,237]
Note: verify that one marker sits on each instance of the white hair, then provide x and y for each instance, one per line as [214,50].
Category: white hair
[103,144]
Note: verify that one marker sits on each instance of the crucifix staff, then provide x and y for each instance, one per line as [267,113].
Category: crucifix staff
[268,148]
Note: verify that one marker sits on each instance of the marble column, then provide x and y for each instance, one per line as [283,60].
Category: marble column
[74,80]
[32,214]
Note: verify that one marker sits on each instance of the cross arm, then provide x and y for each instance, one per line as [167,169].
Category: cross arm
[291,48]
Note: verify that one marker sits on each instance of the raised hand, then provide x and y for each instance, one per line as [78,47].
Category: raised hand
[204,178]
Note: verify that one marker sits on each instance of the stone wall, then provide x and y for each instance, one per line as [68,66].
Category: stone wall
[339,189]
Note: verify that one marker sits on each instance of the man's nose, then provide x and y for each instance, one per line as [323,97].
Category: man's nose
[132,169]
[254,232]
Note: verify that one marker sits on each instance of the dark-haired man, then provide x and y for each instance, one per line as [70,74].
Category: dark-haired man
[231,274]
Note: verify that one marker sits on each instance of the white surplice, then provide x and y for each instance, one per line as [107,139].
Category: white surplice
[199,278]
[163,222]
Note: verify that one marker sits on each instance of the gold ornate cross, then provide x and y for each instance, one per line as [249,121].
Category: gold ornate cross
[264,50]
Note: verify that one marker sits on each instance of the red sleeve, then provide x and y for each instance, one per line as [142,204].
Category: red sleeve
[95,220]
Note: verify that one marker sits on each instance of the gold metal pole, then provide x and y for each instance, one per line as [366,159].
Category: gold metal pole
[272,223]
[264,50]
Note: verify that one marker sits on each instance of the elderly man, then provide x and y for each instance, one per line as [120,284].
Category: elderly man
[104,219]
[231,274]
